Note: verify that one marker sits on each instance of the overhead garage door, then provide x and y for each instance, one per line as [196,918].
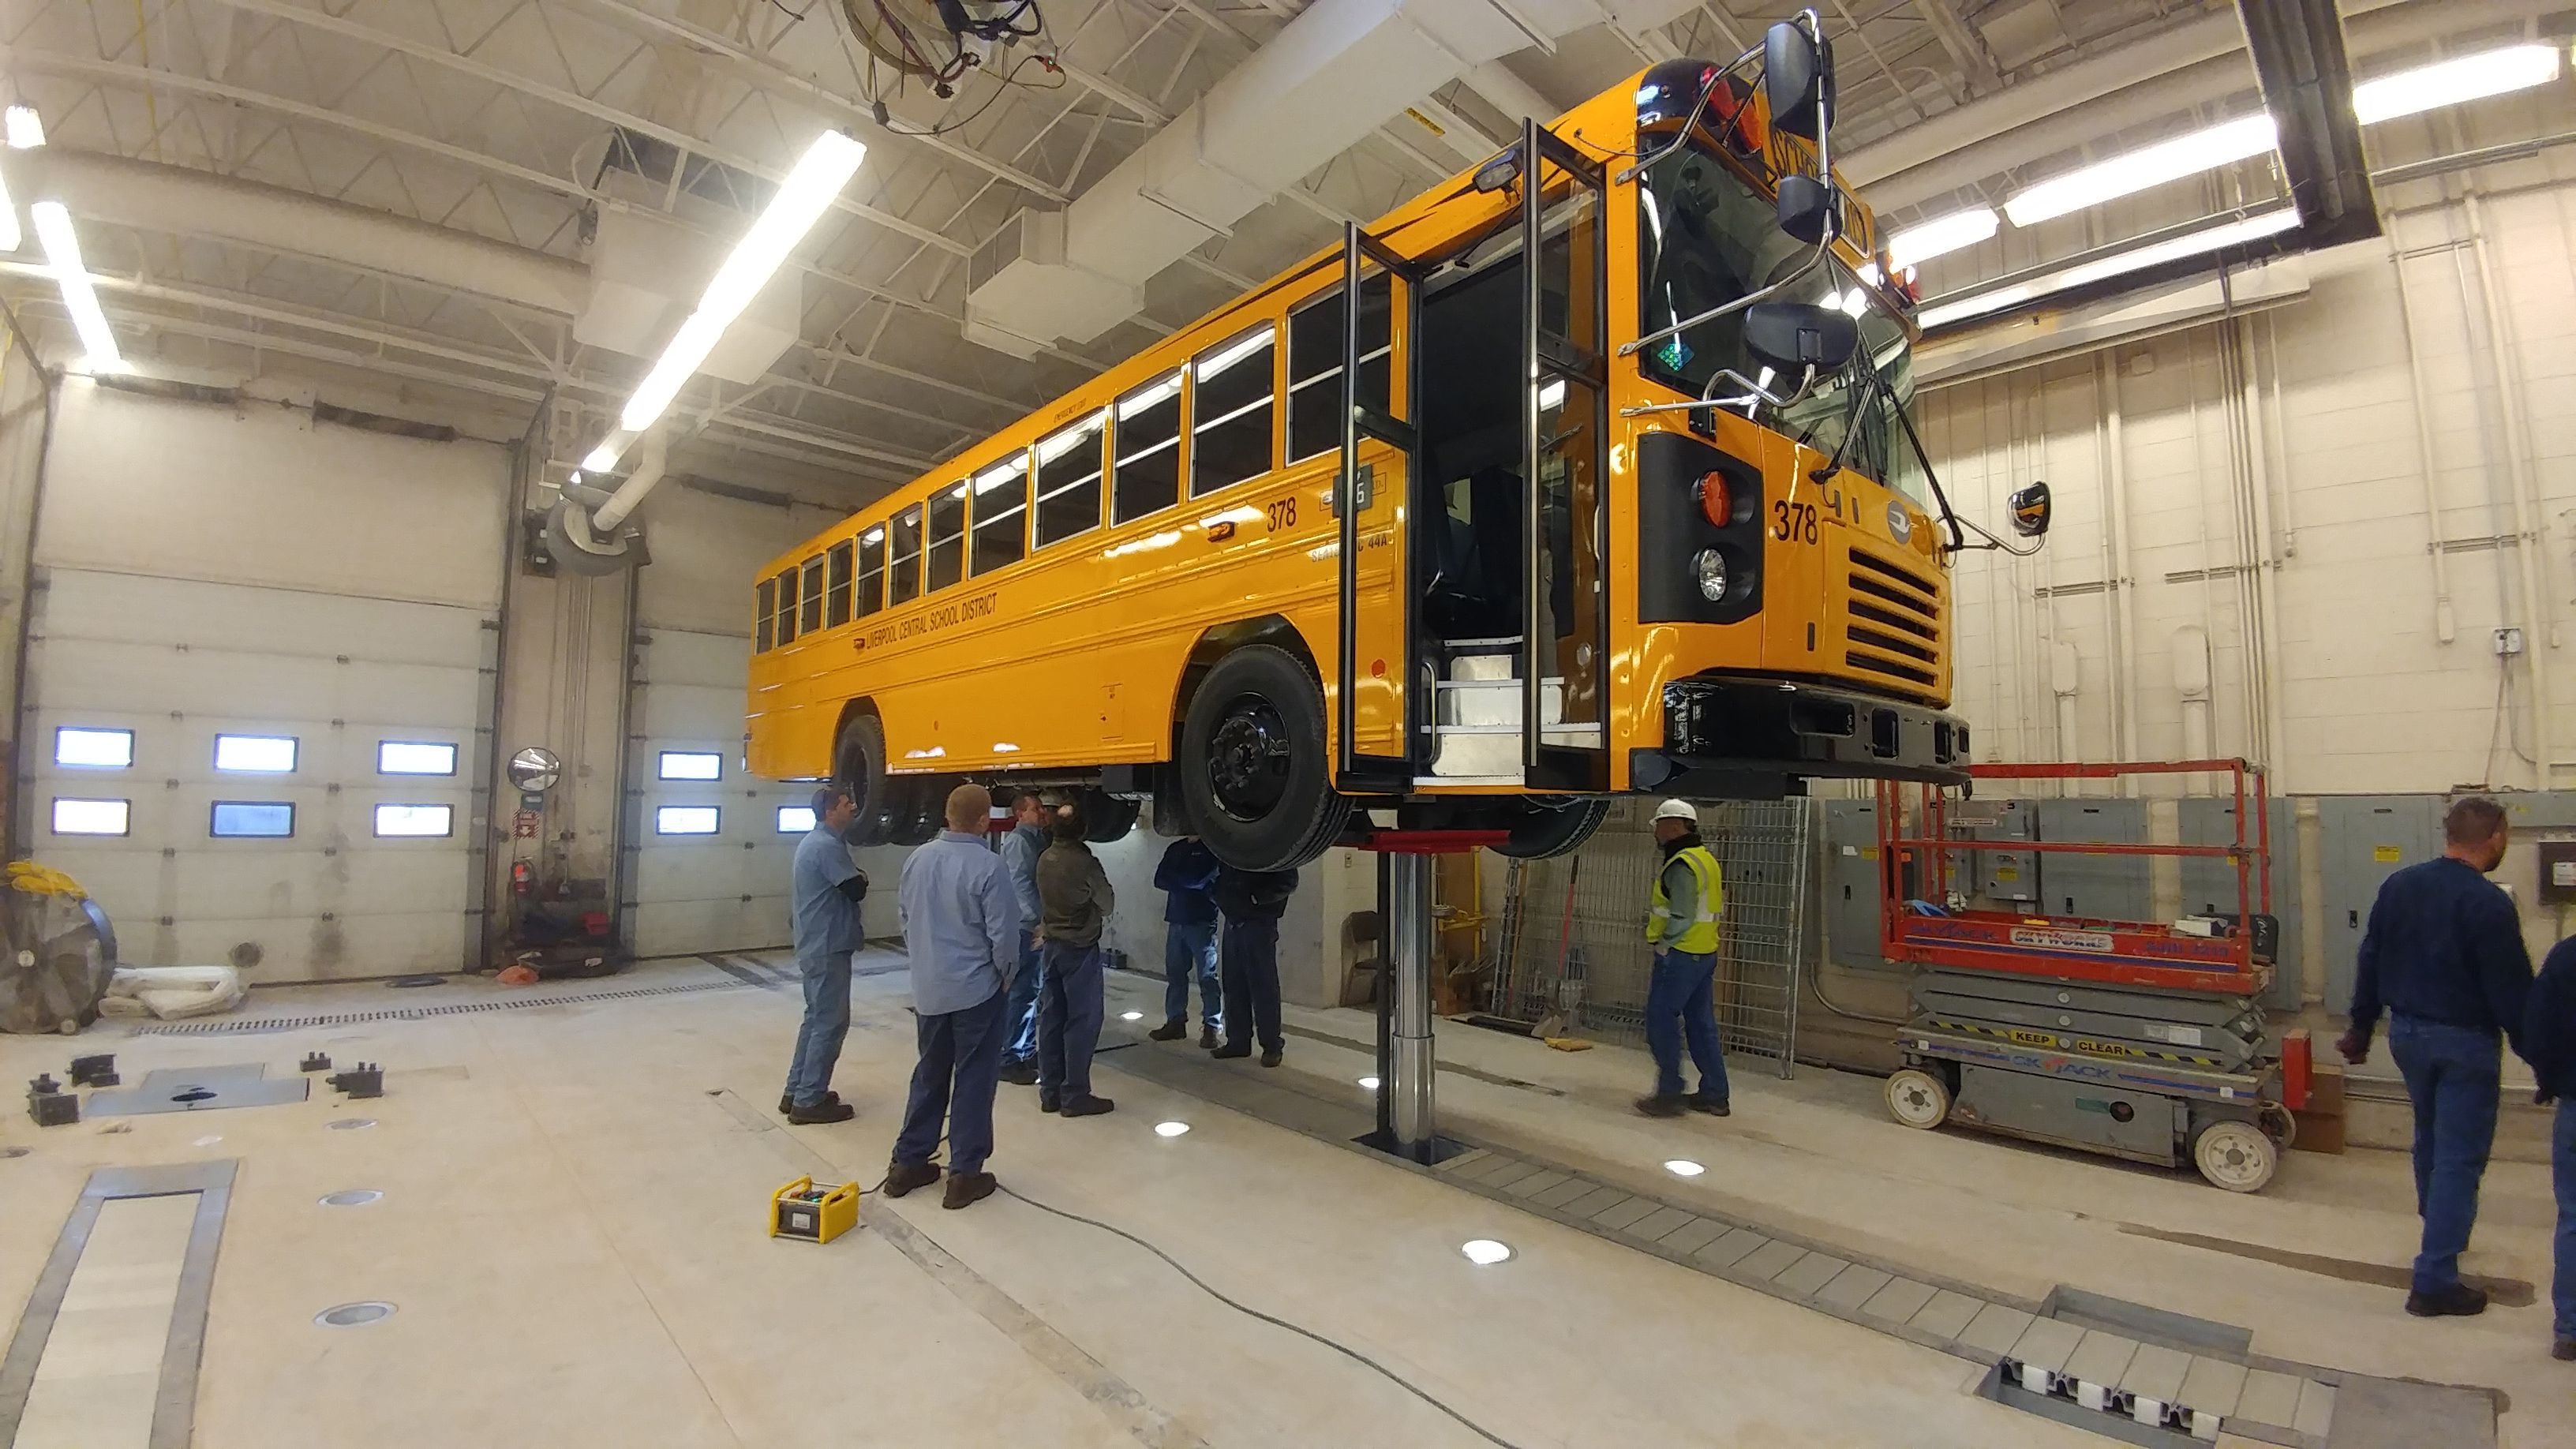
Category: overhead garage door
[258,671]
[708,845]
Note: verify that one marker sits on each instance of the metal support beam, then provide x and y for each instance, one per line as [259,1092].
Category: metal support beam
[1410,1064]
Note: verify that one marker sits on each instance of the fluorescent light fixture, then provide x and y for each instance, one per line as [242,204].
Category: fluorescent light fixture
[2135,171]
[1684,1167]
[601,459]
[1170,1129]
[62,254]
[1977,306]
[809,188]
[2449,82]
[992,478]
[1941,236]
[2210,239]
[1484,1251]
[26,131]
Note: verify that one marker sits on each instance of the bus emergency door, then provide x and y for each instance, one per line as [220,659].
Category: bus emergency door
[1376,733]
[1565,641]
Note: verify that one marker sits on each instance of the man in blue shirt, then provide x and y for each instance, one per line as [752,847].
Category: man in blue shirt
[1187,870]
[2444,957]
[1021,848]
[824,891]
[2549,1044]
[962,930]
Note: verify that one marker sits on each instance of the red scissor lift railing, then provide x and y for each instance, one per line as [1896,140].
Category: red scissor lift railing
[2119,953]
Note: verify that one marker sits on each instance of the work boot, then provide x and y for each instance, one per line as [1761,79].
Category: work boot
[967,1188]
[1233,1049]
[827,1111]
[1172,1030]
[787,1101]
[2457,1301]
[1207,1039]
[1660,1106]
[1270,1056]
[903,1177]
[1049,1102]
[2563,1350]
[1713,1106]
[1088,1105]
[1019,1074]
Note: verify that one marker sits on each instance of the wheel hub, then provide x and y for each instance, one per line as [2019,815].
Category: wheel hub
[1249,758]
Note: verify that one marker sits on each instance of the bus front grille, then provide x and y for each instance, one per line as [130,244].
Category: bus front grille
[1892,622]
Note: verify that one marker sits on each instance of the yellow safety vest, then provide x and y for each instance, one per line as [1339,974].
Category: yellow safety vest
[1701,938]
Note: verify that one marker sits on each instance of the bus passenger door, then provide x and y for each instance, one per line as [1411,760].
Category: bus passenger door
[1564,651]
[1374,704]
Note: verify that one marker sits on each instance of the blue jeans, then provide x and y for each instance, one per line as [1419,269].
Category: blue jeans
[1681,1003]
[961,1053]
[1070,1004]
[2562,1172]
[827,1023]
[1189,949]
[1251,969]
[1020,1013]
[2453,1075]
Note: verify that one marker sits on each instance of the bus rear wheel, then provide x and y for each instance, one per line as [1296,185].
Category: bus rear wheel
[1106,818]
[1254,770]
[1542,830]
[858,761]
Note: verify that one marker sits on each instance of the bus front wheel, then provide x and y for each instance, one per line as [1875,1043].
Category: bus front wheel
[1254,769]
[858,761]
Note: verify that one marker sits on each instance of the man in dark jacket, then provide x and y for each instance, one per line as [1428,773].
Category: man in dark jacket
[1187,870]
[2444,957]
[1021,847]
[1253,901]
[2549,1044]
[1074,893]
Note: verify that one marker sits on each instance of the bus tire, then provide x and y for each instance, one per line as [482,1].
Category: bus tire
[1255,775]
[1543,832]
[858,761]
[1106,818]
[923,809]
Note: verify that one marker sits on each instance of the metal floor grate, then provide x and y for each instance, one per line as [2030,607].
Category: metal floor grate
[422,1013]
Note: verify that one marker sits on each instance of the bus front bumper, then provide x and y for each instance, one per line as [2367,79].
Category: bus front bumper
[1749,738]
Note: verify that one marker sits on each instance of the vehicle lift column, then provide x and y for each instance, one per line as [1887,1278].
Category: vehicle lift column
[1407,1115]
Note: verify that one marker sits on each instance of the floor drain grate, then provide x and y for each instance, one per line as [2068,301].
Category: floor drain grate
[423,1013]
[354,1315]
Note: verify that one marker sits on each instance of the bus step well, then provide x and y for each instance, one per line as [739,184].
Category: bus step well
[1476,719]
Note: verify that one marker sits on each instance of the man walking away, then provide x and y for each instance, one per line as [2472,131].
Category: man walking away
[1075,893]
[1187,870]
[1253,901]
[2444,956]
[1020,851]
[2549,1044]
[961,926]
[1681,994]
[824,891]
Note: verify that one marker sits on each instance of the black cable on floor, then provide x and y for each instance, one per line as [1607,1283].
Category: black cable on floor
[1354,1355]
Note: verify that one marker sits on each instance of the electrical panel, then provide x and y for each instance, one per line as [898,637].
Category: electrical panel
[1851,881]
[2209,885]
[2367,838]
[2102,887]
[2557,872]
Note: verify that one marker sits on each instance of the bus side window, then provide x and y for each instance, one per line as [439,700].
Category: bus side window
[872,570]
[1148,445]
[810,611]
[764,611]
[1315,365]
[1001,514]
[947,536]
[787,606]
[836,587]
[1069,481]
[903,557]
[1230,412]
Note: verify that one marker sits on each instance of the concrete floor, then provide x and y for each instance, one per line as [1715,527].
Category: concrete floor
[575,1200]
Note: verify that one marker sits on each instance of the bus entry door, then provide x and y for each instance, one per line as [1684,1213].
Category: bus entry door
[1565,642]
[1375,664]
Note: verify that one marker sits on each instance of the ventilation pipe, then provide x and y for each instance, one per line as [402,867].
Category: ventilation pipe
[1338,71]
[2191,681]
[584,530]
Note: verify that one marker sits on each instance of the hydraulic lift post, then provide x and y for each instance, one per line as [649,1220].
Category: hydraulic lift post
[1407,1115]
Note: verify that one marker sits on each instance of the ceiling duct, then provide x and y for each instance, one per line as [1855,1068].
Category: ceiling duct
[1331,76]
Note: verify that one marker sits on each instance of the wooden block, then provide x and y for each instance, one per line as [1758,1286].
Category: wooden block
[2319,1134]
[2325,1089]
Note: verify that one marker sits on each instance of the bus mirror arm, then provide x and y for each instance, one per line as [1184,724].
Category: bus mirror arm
[1815,259]
[1958,540]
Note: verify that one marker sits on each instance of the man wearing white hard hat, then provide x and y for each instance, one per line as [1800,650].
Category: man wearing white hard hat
[1681,928]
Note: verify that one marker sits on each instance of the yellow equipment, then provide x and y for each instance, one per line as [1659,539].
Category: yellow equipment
[816,1214]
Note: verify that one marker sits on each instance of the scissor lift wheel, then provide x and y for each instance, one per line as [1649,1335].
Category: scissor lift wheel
[1917,1098]
[2237,1156]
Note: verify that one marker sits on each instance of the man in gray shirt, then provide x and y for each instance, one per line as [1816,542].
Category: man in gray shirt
[961,927]
[1020,850]
[824,891]
[1075,893]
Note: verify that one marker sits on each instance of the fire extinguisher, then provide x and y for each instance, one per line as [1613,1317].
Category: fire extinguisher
[522,877]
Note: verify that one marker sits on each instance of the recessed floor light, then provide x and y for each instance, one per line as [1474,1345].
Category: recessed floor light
[1131,1016]
[1684,1167]
[355,1315]
[351,1197]
[1482,1251]
[1170,1129]
[1369,1082]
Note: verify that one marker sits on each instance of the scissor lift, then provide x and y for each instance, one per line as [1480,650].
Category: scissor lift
[2137,1039]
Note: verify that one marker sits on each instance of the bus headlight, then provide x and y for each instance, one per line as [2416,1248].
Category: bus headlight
[1709,567]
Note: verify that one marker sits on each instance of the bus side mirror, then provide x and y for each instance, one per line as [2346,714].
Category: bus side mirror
[1798,79]
[2030,510]
[1791,337]
[1808,208]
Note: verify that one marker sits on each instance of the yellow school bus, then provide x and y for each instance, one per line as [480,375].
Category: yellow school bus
[1583,473]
